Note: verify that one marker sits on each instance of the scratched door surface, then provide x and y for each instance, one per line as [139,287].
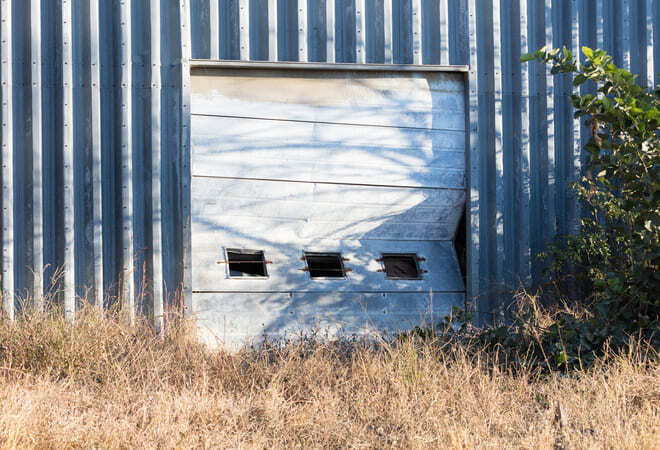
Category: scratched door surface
[352,162]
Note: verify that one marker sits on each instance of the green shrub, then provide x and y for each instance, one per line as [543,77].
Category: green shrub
[615,255]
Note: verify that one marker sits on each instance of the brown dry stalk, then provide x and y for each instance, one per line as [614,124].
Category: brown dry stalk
[105,383]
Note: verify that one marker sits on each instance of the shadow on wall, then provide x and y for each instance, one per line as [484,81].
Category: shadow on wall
[361,164]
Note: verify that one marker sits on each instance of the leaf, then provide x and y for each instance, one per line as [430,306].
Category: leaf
[589,53]
[579,79]
[527,57]
[561,358]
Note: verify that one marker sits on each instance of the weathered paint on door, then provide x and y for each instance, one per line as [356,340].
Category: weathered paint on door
[357,162]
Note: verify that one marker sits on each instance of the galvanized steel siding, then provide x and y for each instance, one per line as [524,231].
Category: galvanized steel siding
[95,125]
[92,150]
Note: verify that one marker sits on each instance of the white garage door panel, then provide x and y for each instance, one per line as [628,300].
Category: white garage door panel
[347,194]
[342,156]
[285,274]
[359,163]
[245,132]
[401,101]
[232,319]
[290,211]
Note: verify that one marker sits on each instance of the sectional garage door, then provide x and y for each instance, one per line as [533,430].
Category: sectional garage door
[298,174]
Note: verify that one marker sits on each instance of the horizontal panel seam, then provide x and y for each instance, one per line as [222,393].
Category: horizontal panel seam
[327,182]
[326,123]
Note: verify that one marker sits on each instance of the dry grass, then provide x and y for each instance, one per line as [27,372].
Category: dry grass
[103,383]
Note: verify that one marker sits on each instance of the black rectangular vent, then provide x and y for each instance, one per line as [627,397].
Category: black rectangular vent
[401,266]
[246,263]
[325,265]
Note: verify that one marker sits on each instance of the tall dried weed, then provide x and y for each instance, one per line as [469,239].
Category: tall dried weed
[103,382]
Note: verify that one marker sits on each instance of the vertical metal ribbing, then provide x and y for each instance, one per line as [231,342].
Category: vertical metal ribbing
[576,154]
[302,30]
[473,169]
[37,155]
[7,162]
[68,161]
[97,179]
[524,268]
[561,127]
[387,31]
[417,31]
[649,22]
[244,29]
[184,17]
[653,17]
[626,31]
[272,30]
[510,138]
[600,24]
[214,27]
[330,30]
[156,164]
[548,200]
[360,32]
[444,32]
[128,269]
[502,263]
[537,133]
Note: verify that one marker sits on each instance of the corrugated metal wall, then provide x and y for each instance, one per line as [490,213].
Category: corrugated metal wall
[95,138]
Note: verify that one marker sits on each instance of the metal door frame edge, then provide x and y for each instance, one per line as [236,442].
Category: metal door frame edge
[202,64]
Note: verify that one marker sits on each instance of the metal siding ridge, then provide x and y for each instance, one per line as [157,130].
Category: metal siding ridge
[302,30]
[444,32]
[510,140]
[272,30]
[7,162]
[654,17]
[128,269]
[576,154]
[184,18]
[20,118]
[650,73]
[524,256]
[548,200]
[79,149]
[97,164]
[416,14]
[473,170]
[626,31]
[360,32]
[156,165]
[387,32]
[68,161]
[214,26]
[502,262]
[330,30]
[37,156]
[486,130]
[609,29]
[458,32]
[536,134]
[561,128]
[600,24]
[244,29]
